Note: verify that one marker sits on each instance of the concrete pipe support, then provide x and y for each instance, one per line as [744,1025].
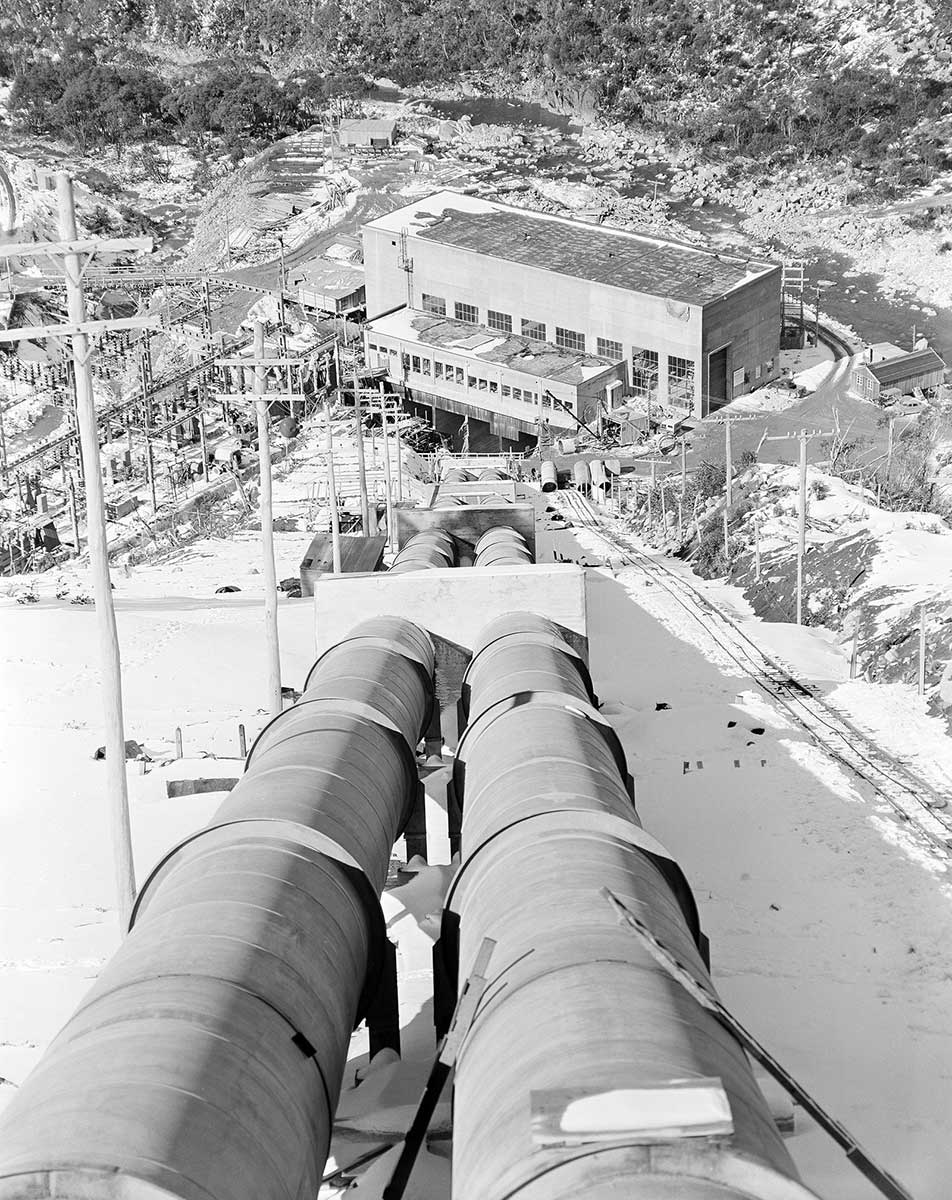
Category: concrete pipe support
[574,1004]
[206,1062]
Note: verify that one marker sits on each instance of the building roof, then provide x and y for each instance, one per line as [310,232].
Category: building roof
[601,253]
[475,342]
[376,128]
[906,366]
[328,277]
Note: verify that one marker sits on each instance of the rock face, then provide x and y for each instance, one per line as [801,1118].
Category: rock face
[578,100]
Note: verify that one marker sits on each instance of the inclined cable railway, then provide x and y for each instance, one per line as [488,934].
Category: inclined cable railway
[913,800]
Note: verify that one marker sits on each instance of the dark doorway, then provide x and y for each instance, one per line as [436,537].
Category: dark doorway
[717,379]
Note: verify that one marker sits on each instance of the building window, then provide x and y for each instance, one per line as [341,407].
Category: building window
[371,346]
[416,363]
[546,401]
[569,339]
[517,393]
[681,381]
[533,329]
[471,381]
[493,386]
[609,349]
[644,373]
[506,389]
[438,370]
[426,366]
[434,304]
[466,312]
[499,321]
[459,376]
[482,385]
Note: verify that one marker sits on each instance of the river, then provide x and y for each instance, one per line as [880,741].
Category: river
[848,295]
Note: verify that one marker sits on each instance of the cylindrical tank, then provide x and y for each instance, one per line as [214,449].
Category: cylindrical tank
[599,474]
[573,1002]
[458,475]
[493,473]
[581,474]
[206,1061]
[550,476]
[449,502]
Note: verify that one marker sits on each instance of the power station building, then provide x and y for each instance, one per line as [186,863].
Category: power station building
[514,316]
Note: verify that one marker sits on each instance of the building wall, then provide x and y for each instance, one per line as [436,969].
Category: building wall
[748,321]
[485,386]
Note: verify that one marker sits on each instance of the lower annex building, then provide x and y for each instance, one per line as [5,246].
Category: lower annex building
[516,317]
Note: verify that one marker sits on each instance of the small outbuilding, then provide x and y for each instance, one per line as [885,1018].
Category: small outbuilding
[903,373]
[373,134]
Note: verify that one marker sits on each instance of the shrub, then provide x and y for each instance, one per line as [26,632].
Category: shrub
[710,479]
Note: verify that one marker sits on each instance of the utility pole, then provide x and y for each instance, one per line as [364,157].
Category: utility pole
[803,436]
[757,547]
[922,649]
[396,439]
[816,326]
[889,448]
[388,482]
[282,316]
[728,488]
[75,254]
[74,517]
[275,703]
[332,490]
[802,526]
[361,464]
[684,465]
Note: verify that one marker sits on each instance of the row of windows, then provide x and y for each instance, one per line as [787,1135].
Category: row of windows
[565,339]
[449,373]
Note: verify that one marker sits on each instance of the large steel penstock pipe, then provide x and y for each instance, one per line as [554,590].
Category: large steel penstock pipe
[574,1005]
[206,1062]
[426,550]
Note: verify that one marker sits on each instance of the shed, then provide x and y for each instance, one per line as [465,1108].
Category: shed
[919,369]
[377,134]
[358,554]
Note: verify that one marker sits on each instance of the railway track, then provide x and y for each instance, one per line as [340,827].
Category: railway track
[916,804]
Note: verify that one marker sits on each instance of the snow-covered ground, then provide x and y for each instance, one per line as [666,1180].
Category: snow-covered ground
[829,941]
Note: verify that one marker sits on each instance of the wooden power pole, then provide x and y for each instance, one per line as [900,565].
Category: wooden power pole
[361,464]
[262,401]
[275,704]
[388,480]
[332,490]
[75,254]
